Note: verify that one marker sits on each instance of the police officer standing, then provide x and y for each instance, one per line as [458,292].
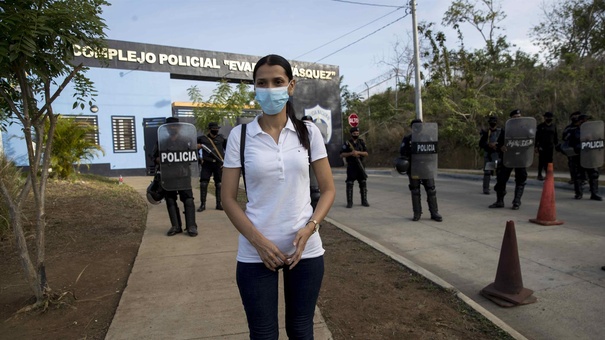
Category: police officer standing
[489,144]
[354,150]
[405,150]
[503,174]
[576,162]
[175,172]
[546,139]
[564,146]
[212,147]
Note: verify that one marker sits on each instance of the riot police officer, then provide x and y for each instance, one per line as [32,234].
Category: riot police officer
[546,139]
[489,144]
[566,150]
[405,150]
[212,147]
[503,174]
[175,141]
[578,164]
[354,150]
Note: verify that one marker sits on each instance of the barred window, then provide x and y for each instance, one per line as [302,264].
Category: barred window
[124,135]
[92,136]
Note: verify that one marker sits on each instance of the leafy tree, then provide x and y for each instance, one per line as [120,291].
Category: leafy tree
[36,53]
[350,101]
[225,103]
[71,145]
[572,29]
[462,86]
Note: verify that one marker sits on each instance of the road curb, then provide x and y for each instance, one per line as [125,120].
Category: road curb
[430,276]
[560,182]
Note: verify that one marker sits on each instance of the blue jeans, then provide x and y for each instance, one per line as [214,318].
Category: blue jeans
[258,288]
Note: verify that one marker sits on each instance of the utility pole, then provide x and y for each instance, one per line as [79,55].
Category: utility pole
[416,62]
[369,112]
[396,86]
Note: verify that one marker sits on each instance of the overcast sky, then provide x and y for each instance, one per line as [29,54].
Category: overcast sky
[296,29]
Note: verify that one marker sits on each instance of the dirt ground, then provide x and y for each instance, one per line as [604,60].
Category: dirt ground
[93,235]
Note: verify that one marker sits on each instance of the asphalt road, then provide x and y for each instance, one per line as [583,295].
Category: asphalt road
[561,264]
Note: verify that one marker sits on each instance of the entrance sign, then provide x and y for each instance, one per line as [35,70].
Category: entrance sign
[186,63]
[317,87]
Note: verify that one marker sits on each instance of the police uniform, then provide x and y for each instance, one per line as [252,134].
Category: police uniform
[488,143]
[576,167]
[503,174]
[405,150]
[186,196]
[212,163]
[567,132]
[546,139]
[355,169]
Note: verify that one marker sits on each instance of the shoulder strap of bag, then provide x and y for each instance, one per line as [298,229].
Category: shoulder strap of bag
[242,147]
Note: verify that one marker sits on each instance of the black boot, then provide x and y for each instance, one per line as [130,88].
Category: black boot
[517,199]
[578,188]
[594,189]
[203,193]
[219,206]
[431,199]
[499,200]
[349,194]
[191,227]
[174,215]
[416,204]
[363,190]
[486,179]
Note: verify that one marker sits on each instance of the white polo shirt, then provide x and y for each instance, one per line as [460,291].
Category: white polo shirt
[277,180]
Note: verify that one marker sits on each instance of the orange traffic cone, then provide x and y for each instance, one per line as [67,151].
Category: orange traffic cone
[507,290]
[547,213]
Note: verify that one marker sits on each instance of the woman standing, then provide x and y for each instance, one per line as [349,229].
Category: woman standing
[279,228]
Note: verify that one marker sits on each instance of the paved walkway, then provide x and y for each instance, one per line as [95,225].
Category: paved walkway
[184,287]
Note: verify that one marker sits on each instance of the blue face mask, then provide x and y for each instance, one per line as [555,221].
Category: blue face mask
[272,100]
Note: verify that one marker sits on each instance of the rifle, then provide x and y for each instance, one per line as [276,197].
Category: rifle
[212,153]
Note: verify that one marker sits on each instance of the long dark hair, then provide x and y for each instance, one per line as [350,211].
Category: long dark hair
[299,125]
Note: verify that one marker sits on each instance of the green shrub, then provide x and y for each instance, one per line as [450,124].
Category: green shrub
[72,145]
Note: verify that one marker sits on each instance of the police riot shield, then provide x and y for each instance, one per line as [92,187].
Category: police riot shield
[591,139]
[519,140]
[177,144]
[424,150]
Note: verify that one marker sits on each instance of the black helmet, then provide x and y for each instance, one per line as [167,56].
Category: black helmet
[402,165]
[155,193]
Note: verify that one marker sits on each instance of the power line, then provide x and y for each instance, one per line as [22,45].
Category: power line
[344,35]
[365,3]
[358,40]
